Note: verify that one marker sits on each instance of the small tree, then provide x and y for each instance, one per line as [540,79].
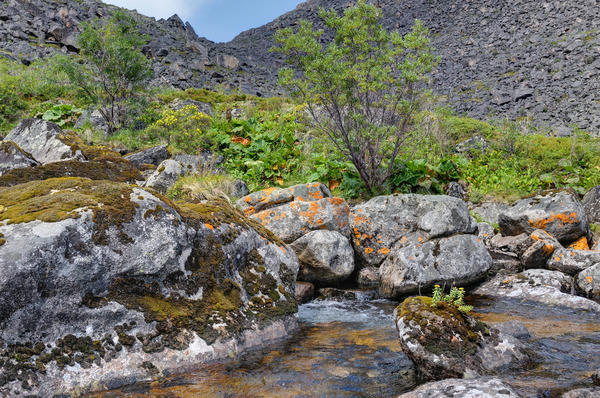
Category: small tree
[112,70]
[362,88]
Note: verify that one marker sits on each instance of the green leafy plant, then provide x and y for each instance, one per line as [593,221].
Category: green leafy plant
[454,298]
[361,88]
[112,70]
[62,114]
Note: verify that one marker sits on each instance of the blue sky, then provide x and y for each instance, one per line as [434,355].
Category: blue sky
[217,20]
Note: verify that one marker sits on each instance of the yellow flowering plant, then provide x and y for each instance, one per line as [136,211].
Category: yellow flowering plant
[182,129]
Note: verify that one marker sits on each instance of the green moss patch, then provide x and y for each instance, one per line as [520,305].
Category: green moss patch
[57,199]
[216,213]
[438,324]
[118,170]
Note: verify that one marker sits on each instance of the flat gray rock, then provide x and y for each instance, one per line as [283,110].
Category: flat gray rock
[13,157]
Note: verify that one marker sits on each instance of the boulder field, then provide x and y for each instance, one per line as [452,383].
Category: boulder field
[105,282]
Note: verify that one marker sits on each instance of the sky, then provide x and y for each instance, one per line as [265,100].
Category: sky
[217,20]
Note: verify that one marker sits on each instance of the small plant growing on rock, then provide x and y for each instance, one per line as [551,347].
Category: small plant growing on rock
[455,298]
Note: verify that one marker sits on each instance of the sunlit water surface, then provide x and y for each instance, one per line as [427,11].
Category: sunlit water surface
[350,349]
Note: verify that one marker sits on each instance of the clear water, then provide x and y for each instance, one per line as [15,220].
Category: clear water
[350,349]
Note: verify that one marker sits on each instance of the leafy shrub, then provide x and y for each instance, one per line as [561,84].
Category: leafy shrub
[62,114]
[455,298]
[262,150]
[183,129]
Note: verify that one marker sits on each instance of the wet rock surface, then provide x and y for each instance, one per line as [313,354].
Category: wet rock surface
[464,388]
[82,309]
[445,343]
[537,286]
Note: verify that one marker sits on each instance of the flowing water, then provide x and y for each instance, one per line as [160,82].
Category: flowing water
[349,348]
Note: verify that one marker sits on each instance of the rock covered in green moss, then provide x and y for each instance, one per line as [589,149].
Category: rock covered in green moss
[13,157]
[446,343]
[98,278]
[43,140]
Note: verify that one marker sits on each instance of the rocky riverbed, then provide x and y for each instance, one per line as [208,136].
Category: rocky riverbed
[105,283]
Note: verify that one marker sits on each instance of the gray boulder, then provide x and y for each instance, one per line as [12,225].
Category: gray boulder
[444,342]
[537,286]
[155,155]
[464,388]
[94,118]
[540,251]
[571,261]
[107,282]
[165,175]
[558,213]
[476,144]
[13,157]
[273,197]
[591,204]
[44,141]
[460,259]
[326,257]
[489,211]
[588,282]
[378,224]
[200,106]
[293,212]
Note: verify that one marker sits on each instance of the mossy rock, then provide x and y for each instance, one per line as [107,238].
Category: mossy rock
[117,170]
[447,339]
[57,199]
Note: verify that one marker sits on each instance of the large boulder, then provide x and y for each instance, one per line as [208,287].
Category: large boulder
[13,157]
[481,387]
[155,155]
[103,282]
[542,287]
[293,212]
[444,342]
[591,204]
[326,257]
[558,213]
[588,282]
[378,224]
[571,261]
[459,259]
[44,140]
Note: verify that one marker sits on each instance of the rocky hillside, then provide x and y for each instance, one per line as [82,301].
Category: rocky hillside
[498,58]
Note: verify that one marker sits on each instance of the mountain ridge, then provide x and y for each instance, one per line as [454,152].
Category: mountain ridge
[520,60]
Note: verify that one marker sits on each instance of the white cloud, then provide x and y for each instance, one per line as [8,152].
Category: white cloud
[161,8]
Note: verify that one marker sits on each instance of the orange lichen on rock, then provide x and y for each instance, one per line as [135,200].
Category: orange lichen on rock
[561,217]
[548,248]
[384,251]
[368,250]
[580,244]
[209,226]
